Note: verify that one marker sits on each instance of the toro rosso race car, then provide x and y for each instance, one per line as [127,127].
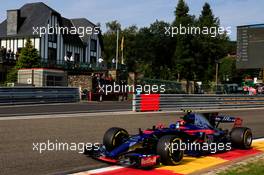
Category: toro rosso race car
[164,144]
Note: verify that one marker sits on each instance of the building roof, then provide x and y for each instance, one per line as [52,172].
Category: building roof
[31,15]
[70,38]
[83,22]
[3,29]
[37,15]
[252,26]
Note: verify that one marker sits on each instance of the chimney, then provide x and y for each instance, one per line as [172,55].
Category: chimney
[12,21]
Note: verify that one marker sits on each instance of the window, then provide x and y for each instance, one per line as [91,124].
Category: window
[93,45]
[77,57]
[54,80]
[52,37]
[69,54]
[50,81]
[93,60]
[52,56]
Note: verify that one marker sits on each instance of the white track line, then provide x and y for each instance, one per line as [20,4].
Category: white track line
[100,170]
[258,140]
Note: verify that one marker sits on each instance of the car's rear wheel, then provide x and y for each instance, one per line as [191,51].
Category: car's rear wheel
[168,150]
[114,137]
[241,137]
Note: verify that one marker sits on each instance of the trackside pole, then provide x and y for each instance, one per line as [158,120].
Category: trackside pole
[134,103]
[80,93]
[263,75]
[90,96]
[101,98]
[117,47]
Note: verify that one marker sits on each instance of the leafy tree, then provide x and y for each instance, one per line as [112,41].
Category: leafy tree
[130,47]
[109,47]
[11,76]
[227,70]
[162,50]
[207,17]
[29,57]
[150,52]
[232,47]
[183,56]
[209,50]
[113,26]
[181,13]
[146,50]
[144,55]
[109,40]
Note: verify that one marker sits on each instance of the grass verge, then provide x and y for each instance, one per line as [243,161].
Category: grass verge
[255,167]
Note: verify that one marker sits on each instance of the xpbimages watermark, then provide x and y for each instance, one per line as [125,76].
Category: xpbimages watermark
[116,88]
[195,30]
[195,146]
[41,147]
[51,30]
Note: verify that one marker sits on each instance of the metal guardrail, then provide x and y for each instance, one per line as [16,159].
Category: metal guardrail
[78,66]
[202,101]
[36,95]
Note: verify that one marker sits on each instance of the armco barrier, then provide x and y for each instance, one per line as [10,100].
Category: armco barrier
[155,102]
[31,95]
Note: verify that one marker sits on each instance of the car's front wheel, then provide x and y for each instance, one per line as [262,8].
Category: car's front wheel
[168,150]
[114,137]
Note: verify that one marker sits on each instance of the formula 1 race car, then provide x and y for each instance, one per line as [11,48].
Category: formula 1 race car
[163,144]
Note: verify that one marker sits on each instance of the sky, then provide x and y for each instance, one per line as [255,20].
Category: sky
[144,12]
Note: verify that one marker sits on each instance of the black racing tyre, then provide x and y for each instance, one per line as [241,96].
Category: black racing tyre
[241,137]
[169,156]
[114,137]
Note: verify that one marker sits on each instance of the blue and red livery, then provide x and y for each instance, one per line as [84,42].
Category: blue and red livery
[154,146]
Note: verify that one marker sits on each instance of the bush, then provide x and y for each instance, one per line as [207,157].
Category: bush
[11,76]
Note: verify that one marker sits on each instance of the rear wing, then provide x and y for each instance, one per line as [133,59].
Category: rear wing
[229,119]
[225,119]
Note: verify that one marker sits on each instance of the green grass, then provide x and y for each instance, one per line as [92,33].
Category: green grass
[251,168]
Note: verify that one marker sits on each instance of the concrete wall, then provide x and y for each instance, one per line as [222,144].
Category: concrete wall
[83,81]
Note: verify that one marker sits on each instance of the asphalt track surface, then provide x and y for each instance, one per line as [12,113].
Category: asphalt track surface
[64,108]
[17,136]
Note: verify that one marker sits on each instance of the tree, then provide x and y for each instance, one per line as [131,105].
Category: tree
[147,50]
[113,26]
[130,47]
[109,40]
[162,50]
[183,55]
[150,52]
[29,57]
[207,17]
[227,69]
[181,13]
[11,76]
[209,50]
